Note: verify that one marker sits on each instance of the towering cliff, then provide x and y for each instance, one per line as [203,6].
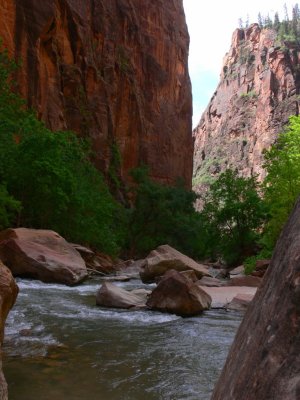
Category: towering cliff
[114,71]
[258,90]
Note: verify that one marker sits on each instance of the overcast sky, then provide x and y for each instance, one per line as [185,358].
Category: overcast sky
[211,24]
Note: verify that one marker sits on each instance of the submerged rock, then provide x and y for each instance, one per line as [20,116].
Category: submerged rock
[264,361]
[8,294]
[113,296]
[165,258]
[179,295]
[41,254]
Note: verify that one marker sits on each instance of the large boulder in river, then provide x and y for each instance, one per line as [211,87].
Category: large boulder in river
[41,254]
[113,296]
[8,295]
[179,295]
[264,360]
[165,258]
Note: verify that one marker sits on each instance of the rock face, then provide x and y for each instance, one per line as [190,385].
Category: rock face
[114,71]
[165,258]
[41,254]
[8,295]
[258,90]
[179,295]
[263,362]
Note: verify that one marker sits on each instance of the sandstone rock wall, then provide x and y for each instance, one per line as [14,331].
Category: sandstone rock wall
[264,361]
[114,71]
[259,89]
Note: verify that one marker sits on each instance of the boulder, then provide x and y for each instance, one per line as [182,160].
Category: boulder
[240,302]
[41,254]
[132,269]
[238,271]
[222,296]
[190,274]
[100,263]
[8,295]
[261,267]
[211,282]
[266,348]
[179,295]
[247,280]
[113,296]
[165,258]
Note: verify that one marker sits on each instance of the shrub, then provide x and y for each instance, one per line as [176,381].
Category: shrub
[282,183]
[51,175]
[163,215]
[233,213]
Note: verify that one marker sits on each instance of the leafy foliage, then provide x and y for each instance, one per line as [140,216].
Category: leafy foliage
[9,207]
[282,183]
[233,212]
[50,174]
[163,214]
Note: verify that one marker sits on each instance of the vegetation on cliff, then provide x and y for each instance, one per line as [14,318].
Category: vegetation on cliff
[288,29]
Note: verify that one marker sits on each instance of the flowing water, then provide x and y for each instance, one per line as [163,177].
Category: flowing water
[60,346]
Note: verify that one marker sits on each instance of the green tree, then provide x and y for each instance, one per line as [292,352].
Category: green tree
[163,215]
[295,20]
[282,183]
[9,208]
[260,20]
[51,176]
[233,211]
[276,22]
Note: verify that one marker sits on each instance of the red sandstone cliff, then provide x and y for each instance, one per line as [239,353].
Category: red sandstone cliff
[114,71]
[258,90]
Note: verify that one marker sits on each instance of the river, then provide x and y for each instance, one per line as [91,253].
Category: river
[60,346]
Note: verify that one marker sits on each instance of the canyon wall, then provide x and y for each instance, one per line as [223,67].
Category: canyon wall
[263,362]
[113,71]
[258,90]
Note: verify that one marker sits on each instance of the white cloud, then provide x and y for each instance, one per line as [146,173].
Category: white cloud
[211,25]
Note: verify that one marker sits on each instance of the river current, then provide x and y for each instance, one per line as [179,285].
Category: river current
[60,346]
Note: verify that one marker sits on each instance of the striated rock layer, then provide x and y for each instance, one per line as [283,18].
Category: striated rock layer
[264,361]
[258,90]
[114,71]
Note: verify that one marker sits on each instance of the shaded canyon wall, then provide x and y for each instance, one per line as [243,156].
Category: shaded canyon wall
[113,71]
[264,362]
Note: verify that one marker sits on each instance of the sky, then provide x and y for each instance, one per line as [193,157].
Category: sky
[211,25]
